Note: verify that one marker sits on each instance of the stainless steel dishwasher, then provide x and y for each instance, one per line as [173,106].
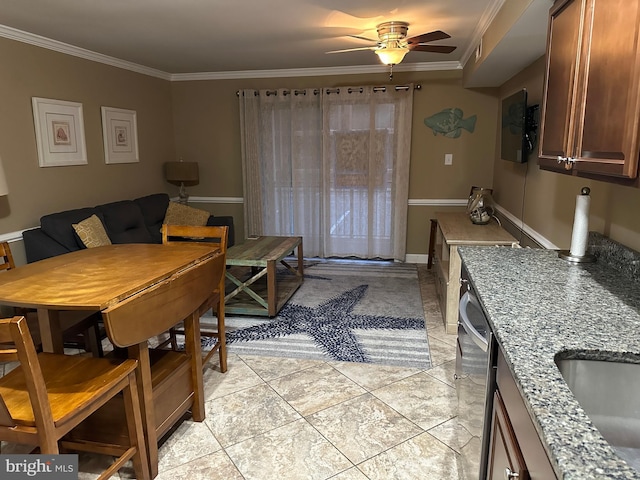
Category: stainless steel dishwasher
[475,383]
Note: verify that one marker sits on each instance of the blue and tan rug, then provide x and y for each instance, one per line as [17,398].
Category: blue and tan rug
[345,311]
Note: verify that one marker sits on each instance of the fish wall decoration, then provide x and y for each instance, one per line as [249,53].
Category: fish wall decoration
[449,122]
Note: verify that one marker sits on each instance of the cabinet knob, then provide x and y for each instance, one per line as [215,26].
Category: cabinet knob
[568,164]
[508,474]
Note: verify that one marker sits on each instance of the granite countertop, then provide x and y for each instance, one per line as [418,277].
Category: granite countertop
[539,306]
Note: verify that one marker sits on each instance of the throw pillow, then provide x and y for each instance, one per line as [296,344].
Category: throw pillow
[92,232]
[178,214]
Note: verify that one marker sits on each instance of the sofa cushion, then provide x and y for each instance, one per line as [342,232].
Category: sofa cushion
[178,214]
[154,208]
[124,222]
[92,232]
[58,226]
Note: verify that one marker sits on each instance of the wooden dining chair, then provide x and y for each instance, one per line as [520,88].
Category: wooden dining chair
[217,237]
[6,257]
[50,394]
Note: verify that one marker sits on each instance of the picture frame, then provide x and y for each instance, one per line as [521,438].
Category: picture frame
[59,126]
[120,135]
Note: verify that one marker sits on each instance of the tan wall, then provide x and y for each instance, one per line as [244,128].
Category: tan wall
[548,199]
[28,71]
[207,130]
[205,115]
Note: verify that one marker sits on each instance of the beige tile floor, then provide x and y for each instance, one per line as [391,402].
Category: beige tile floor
[277,418]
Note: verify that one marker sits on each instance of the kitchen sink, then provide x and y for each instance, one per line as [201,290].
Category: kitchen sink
[609,393]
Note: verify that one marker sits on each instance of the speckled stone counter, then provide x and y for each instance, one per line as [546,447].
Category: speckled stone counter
[540,306]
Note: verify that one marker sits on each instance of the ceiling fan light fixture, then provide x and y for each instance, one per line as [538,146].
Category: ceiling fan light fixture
[391,55]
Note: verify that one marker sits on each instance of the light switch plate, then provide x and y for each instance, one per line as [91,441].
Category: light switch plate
[448,158]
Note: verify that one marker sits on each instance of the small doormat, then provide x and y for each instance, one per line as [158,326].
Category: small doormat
[348,311]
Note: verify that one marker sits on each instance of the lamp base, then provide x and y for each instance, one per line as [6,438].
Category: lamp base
[566,255]
[183,196]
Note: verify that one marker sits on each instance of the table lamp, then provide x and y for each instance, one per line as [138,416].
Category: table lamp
[4,188]
[182,174]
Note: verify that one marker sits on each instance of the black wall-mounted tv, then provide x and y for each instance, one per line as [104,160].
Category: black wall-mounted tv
[518,128]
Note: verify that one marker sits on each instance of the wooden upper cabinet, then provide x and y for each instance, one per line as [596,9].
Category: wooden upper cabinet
[591,104]
[563,45]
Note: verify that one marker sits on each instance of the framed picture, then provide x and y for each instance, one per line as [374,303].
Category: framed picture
[59,132]
[120,134]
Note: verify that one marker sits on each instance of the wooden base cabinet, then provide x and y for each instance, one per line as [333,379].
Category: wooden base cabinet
[505,457]
[515,449]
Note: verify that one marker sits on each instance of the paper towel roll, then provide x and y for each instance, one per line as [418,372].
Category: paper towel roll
[580,226]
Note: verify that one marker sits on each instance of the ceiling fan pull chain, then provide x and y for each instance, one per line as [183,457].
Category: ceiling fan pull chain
[390,72]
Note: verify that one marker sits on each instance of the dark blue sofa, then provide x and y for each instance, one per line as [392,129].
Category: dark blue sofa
[126,221]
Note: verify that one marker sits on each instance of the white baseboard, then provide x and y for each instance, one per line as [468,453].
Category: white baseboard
[416,258]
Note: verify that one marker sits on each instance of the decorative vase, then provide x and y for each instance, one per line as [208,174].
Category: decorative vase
[480,206]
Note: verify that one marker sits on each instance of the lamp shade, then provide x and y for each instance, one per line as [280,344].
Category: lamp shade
[4,188]
[182,173]
[391,55]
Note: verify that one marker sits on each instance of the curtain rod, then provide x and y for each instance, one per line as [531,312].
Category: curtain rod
[316,91]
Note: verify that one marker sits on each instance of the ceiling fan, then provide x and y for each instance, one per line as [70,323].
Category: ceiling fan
[392,44]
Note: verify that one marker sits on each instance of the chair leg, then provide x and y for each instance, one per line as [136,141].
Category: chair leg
[48,444]
[92,340]
[173,339]
[222,337]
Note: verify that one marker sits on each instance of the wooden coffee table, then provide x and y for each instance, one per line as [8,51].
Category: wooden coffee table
[254,286]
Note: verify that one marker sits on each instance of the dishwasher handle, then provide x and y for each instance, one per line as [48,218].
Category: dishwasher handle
[476,336]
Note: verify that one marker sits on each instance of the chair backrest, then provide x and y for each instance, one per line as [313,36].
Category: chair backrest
[216,235]
[6,258]
[17,345]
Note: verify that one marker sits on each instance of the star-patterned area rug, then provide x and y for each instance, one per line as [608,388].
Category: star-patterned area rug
[348,311]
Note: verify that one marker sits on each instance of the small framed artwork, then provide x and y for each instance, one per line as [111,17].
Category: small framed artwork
[59,132]
[120,134]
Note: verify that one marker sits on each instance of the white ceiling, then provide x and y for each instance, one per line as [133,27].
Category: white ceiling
[182,37]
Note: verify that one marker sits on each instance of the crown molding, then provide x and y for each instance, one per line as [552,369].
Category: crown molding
[61,47]
[315,72]
[485,21]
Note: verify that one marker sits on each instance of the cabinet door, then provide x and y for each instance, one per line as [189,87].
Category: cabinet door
[505,457]
[591,105]
[563,45]
[608,113]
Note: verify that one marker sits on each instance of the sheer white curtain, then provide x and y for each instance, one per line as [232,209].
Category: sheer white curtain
[366,148]
[329,165]
[281,162]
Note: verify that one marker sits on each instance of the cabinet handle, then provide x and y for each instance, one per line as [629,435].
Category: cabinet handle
[568,162]
[508,474]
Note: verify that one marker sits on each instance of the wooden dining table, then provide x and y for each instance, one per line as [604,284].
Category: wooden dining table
[141,291]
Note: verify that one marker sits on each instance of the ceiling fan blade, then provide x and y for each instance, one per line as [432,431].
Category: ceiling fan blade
[428,37]
[352,49]
[433,48]
[363,38]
